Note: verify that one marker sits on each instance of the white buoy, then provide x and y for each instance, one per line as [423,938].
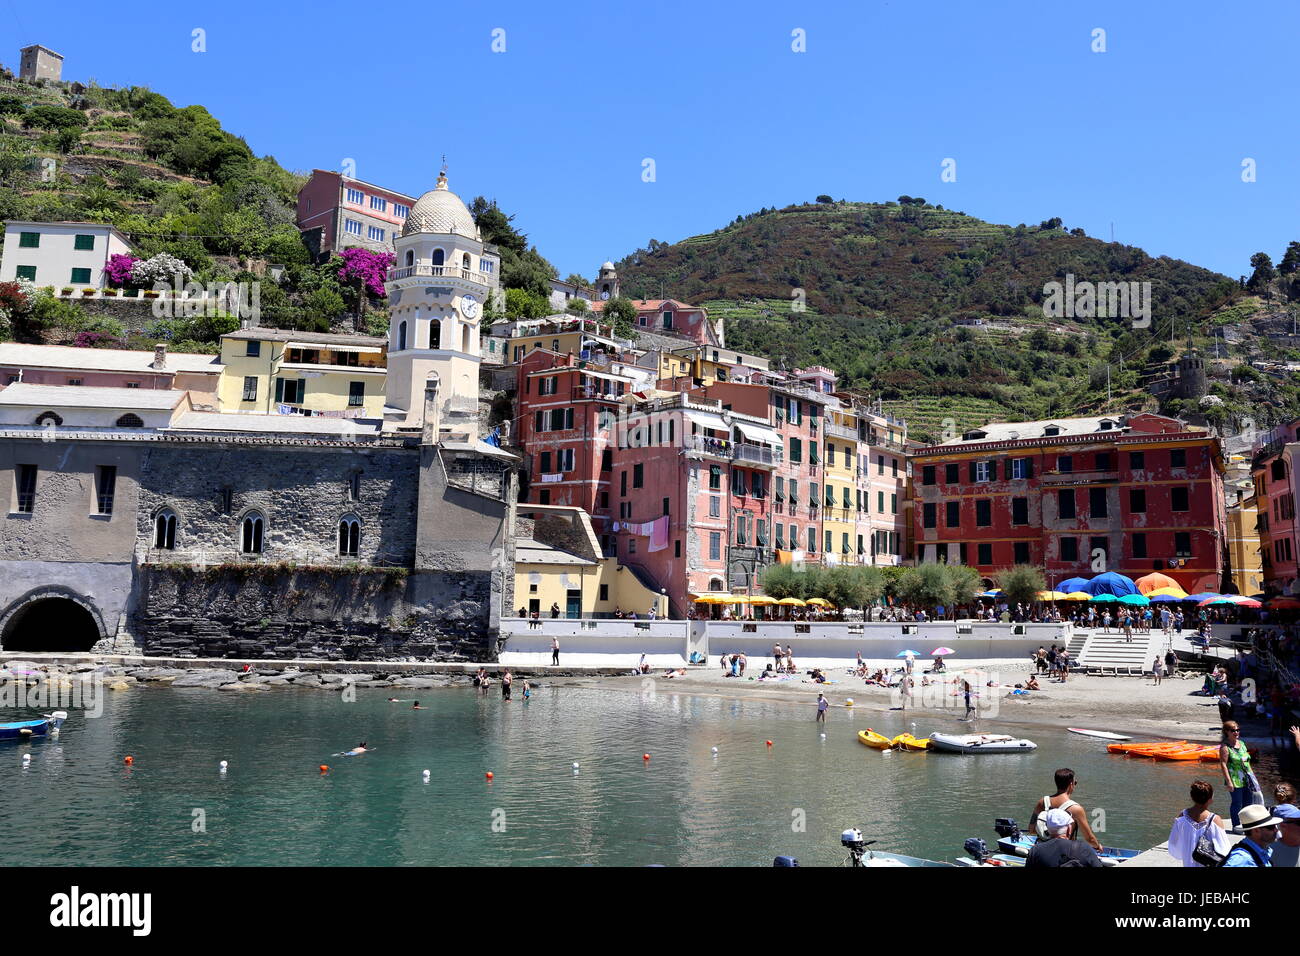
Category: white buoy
[426,776]
[27,758]
[823,736]
[575,765]
[715,749]
[848,701]
[223,765]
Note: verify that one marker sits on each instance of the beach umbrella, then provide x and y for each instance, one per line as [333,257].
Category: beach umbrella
[716,599]
[792,602]
[1247,602]
[1202,597]
[1282,603]
[1070,585]
[1154,582]
[942,652]
[1104,599]
[991,594]
[1176,593]
[1111,583]
[1135,599]
[762,599]
[1052,596]
[1077,596]
[1166,598]
[907,654]
[820,602]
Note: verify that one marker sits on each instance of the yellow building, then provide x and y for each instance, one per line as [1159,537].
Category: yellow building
[267,371]
[1244,546]
[840,486]
[562,566]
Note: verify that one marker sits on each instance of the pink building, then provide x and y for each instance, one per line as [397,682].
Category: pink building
[112,368]
[670,317]
[346,212]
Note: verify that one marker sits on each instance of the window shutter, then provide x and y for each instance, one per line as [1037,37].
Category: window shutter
[568,418]
[538,422]
[972,472]
[279,390]
[1029,467]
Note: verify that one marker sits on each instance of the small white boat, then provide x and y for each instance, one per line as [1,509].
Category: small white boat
[1099,734]
[981,744]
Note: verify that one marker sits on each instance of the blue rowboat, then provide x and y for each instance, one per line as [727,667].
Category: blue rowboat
[27,729]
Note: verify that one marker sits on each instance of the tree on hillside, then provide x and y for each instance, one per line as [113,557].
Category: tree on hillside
[53,118]
[522,266]
[1264,272]
[823,198]
[621,311]
[1290,259]
[1021,584]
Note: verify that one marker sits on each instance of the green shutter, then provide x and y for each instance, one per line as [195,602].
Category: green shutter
[83,242]
[29,240]
[26,272]
[81,276]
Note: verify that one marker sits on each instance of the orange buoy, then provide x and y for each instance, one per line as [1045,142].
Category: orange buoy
[324,769]
[488,775]
[769,743]
[645,756]
[129,761]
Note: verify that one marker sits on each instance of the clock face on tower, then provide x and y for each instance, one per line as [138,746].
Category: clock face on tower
[604,295]
[468,306]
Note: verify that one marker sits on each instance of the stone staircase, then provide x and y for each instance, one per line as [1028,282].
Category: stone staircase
[1111,654]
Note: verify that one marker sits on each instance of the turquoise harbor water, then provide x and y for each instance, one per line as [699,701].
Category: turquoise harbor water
[78,804]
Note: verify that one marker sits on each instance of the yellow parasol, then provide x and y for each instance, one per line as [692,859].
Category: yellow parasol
[820,602]
[1174,592]
[1077,596]
[1052,596]
[716,599]
[762,599]
[792,602]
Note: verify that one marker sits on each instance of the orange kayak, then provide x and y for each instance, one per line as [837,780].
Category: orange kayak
[1147,749]
[1186,753]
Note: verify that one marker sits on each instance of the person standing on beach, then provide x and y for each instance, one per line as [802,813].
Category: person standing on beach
[789,659]
[970,706]
[1171,663]
[822,705]
[555,652]
[1157,669]
[777,657]
[904,691]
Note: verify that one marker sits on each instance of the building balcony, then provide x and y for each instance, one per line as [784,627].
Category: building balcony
[584,392]
[840,431]
[760,455]
[1054,477]
[440,272]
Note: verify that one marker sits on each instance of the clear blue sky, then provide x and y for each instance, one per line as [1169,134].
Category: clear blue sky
[1149,136]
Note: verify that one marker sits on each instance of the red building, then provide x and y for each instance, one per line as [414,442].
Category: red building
[1126,493]
[337,211]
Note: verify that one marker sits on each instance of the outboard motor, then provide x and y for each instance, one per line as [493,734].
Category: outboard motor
[977,849]
[785,861]
[1006,828]
[852,840]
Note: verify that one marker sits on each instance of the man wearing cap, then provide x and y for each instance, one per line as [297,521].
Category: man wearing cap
[1256,847]
[1286,851]
[1057,849]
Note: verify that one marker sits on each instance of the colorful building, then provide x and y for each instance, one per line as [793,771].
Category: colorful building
[337,211]
[270,371]
[200,375]
[1126,493]
[1273,467]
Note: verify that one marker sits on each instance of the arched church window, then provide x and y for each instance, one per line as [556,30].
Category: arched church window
[164,530]
[435,334]
[438,257]
[464,261]
[349,536]
[410,257]
[401,336]
[130,420]
[250,537]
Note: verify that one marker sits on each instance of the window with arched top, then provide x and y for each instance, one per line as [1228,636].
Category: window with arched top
[349,536]
[130,420]
[45,419]
[250,533]
[466,341]
[401,336]
[435,334]
[410,257]
[164,530]
[464,261]
[438,257]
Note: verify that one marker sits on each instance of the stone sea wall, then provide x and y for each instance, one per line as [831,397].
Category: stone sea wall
[271,611]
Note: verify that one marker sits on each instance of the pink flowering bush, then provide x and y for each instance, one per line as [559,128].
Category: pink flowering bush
[98,340]
[119,268]
[368,268]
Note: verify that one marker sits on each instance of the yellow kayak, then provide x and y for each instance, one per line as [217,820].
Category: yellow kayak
[873,739]
[908,742]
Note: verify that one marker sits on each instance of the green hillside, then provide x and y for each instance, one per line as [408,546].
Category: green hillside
[936,312]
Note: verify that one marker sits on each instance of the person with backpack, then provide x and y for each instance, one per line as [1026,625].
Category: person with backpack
[1056,849]
[1256,847]
[1064,800]
[1198,837]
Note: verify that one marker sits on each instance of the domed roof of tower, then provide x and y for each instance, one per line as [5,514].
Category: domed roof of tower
[607,266]
[440,211]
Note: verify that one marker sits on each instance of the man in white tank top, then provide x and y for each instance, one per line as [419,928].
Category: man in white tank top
[1063,799]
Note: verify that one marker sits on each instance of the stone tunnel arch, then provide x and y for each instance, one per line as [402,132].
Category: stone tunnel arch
[49,620]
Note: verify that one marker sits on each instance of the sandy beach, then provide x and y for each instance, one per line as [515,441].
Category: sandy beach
[1124,705]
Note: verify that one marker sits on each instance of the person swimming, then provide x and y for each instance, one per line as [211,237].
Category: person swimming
[416,706]
[360,748]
